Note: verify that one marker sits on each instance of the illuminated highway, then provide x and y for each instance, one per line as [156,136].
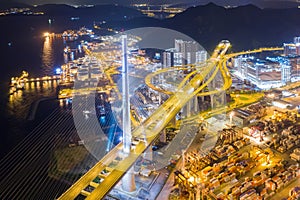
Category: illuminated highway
[148,79]
[152,126]
[149,130]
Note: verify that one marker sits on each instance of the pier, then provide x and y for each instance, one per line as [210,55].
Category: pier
[18,83]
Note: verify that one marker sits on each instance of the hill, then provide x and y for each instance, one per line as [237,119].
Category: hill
[246,27]
[95,12]
[11,4]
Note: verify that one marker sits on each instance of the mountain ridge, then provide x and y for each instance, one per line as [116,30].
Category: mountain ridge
[246,26]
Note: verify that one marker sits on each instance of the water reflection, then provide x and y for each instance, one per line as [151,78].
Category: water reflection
[37,86]
[52,56]
[32,85]
[47,55]
[20,101]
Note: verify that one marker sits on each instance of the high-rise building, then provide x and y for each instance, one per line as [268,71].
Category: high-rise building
[201,56]
[241,65]
[289,49]
[167,59]
[188,49]
[297,43]
[237,63]
[177,56]
[185,52]
[285,73]
[296,40]
[292,49]
[298,49]
[171,58]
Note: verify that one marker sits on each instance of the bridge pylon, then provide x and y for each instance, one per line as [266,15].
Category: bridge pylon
[128,181]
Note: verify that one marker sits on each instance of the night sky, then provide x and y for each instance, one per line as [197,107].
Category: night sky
[126,2]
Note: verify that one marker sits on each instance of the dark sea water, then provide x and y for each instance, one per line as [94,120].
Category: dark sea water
[23,47]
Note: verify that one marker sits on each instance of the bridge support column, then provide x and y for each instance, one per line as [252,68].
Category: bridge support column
[173,121]
[212,86]
[128,181]
[201,103]
[223,98]
[148,154]
[188,108]
[196,106]
[212,101]
[163,136]
[182,111]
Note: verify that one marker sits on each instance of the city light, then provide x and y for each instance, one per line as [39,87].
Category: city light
[46,34]
[58,71]
[168,128]
[120,138]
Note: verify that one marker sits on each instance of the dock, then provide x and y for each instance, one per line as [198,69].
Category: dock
[18,83]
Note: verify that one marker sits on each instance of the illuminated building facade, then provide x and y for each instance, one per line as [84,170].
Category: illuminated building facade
[292,49]
[267,73]
[285,74]
[171,58]
[185,52]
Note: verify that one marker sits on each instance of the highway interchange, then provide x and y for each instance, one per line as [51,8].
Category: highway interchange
[149,130]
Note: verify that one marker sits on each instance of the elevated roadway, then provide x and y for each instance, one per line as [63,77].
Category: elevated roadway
[149,130]
[148,79]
